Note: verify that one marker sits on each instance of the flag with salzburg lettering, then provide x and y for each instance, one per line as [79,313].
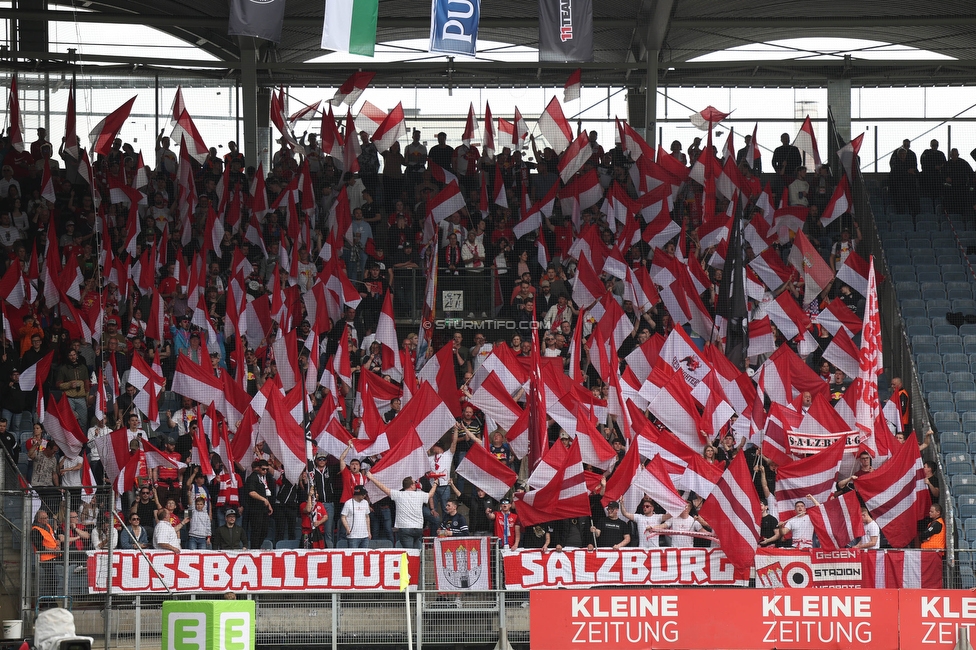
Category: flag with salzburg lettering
[870,365]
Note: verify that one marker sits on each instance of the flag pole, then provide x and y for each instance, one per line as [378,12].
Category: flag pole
[405,588]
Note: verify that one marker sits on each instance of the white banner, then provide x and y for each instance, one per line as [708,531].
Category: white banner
[462,563]
[252,571]
[812,443]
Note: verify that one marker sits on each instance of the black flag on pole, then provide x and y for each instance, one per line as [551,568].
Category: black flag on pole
[566,30]
[259,18]
[732,295]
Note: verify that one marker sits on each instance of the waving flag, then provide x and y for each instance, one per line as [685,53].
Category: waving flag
[815,475]
[15,120]
[734,512]
[486,472]
[555,127]
[573,85]
[105,132]
[896,495]
[806,141]
[837,522]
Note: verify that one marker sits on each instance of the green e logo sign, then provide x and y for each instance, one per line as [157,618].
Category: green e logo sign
[208,625]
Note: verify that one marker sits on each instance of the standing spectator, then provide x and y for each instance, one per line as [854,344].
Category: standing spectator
[933,171]
[612,532]
[230,536]
[480,507]
[315,521]
[769,532]
[440,459]
[73,379]
[410,504]
[648,523]
[902,399]
[469,432]
[453,523]
[355,519]
[800,526]
[507,527]
[259,490]
[322,482]
[934,535]
[871,541]
[686,523]
[69,470]
[47,545]
[164,534]
[45,477]
[200,525]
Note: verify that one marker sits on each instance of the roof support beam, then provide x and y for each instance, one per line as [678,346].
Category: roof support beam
[820,22]
[216,22]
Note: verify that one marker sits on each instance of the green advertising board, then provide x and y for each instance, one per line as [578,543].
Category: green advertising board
[208,625]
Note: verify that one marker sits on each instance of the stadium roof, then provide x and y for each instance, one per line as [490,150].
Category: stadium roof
[626,34]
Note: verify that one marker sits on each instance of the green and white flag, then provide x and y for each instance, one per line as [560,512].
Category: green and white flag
[350,26]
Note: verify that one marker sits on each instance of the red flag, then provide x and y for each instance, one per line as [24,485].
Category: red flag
[186,133]
[486,472]
[470,126]
[352,88]
[555,127]
[806,141]
[105,132]
[15,128]
[63,427]
[575,157]
[562,493]
[840,202]
[838,522]
[815,475]
[734,513]
[387,337]
[392,128]
[573,85]
[406,458]
[707,117]
[870,365]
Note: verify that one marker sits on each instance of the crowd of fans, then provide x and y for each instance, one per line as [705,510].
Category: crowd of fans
[253,503]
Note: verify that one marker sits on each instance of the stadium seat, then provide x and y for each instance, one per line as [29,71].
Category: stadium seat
[967,329]
[929,358]
[944,330]
[288,543]
[954,276]
[962,479]
[969,344]
[968,490]
[935,385]
[955,448]
[965,305]
[901,287]
[958,368]
[919,329]
[923,340]
[927,367]
[937,306]
[955,357]
[959,293]
[939,417]
[959,468]
[964,390]
[913,304]
[941,396]
[924,348]
[267,545]
[928,276]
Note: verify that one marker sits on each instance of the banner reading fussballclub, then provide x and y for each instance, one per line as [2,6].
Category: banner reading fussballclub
[454,26]
[260,18]
[566,30]
[462,563]
[252,571]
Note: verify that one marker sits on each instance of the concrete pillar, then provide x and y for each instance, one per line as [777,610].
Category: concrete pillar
[839,100]
[650,99]
[249,100]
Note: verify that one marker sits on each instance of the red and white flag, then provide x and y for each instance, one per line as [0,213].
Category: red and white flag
[470,126]
[575,157]
[896,495]
[503,362]
[686,467]
[12,286]
[837,522]
[554,126]
[563,492]
[351,147]
[870,365]
[392,129]
[837,316]
[284,437]
[807,259]
[196,382]
[62,425]
[842,352]
[675,407]
[15,123]
[854,273]
[707,117]
[352,88]
[848,154]
[446,202]
[186,133]
[486,472]
[787,315]
[806,141]
[752,152]
[573,85]
[105,132]
[488,140]
[494,400]
[761,339]
[386,336]
[770,268]
[406,457]
[815,475]
[840,202]
[734,513]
